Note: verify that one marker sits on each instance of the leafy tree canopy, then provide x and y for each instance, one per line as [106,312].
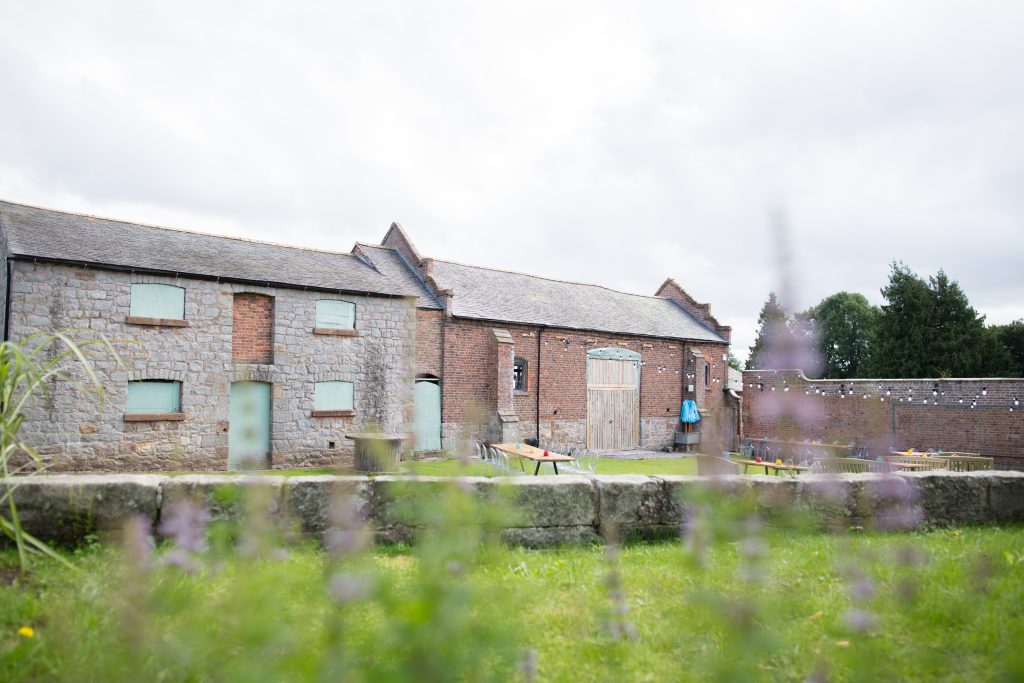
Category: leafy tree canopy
[1011,337]
[929,329]
[842,326]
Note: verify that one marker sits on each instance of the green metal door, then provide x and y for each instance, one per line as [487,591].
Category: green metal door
[427,402]
[249,426]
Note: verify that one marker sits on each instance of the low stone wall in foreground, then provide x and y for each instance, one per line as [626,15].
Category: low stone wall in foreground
[543,511]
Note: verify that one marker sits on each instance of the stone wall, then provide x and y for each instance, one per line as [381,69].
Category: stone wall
[972,415]
[546,510]
[73,432]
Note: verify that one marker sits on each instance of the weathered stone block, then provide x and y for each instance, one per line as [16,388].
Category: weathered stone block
[830,499]
[317,503]
[66,508]
[948,498]
[551,536]
[682,492]
[1006,496]
[631,505]
[226,497]
[887,502]
[565,500]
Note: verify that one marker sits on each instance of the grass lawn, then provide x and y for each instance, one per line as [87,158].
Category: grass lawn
[442,468]
[942,605]
[446,467]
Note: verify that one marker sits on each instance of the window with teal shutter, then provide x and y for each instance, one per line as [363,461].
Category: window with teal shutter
[154,396]
[157,301]
[335,315]
[332,396]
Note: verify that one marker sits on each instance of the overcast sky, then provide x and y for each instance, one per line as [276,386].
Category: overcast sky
[613,143]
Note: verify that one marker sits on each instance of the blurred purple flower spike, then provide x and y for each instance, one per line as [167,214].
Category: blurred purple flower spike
[186,525]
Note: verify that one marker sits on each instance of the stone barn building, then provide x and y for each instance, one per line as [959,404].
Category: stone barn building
[240,349]
[242,352]
[506,356]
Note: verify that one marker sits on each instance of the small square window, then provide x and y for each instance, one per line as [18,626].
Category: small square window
[163,302]
[335,315]
[154,396]
[519,375]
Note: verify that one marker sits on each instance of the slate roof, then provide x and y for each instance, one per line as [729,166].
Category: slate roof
[391,264]
[56,235]
[487,294]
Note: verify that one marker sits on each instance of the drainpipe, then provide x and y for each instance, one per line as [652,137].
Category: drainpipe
[540,330]
[739,401]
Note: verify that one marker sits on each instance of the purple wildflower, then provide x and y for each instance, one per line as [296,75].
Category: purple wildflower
[186,524]
[859,620]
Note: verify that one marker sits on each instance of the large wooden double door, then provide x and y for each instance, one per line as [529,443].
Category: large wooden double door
[613,399]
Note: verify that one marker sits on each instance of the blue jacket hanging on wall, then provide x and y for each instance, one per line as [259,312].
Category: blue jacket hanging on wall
[689,413]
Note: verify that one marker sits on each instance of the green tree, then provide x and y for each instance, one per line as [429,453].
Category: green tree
[734,362]
[929,329]
[770,323]
[842,326]
[1011,338]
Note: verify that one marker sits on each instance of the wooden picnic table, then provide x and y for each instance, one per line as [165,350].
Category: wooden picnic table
[535,454]
[907,465]
[777,467]
[791,445]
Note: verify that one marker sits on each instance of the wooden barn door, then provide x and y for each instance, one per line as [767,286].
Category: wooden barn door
[613,399]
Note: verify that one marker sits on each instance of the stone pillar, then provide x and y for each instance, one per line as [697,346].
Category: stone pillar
[504,423]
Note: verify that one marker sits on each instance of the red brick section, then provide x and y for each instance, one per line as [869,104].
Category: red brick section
[252,332]
[897,413]
[428,342]
[469,369]
[670,289]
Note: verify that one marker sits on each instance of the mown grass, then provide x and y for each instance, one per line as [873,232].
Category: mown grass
[948,607]
[451,467]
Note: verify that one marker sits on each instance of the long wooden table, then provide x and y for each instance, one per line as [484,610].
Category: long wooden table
[535,454]
[798,444]
[771,466]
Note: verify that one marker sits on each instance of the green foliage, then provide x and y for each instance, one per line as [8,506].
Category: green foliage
[734,362]
[1011,337]
[842,326]
[946,604]
[26,370]
[771,323]
[929,329]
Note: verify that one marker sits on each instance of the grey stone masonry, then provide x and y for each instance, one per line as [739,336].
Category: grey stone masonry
[74,432]
[540,511]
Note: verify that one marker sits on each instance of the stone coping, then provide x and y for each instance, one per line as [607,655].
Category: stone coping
[544,510]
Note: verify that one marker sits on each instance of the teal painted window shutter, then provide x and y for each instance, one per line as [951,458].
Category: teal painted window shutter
[333,396]
[336,315]
[158,301]
[154,396]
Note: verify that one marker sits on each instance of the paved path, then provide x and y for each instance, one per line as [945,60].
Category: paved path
[643,455]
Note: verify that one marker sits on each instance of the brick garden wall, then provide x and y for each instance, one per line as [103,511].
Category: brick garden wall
[900,413]
[74,433]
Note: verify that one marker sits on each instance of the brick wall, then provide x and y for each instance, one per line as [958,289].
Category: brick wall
[670,289]
[428,342]
[252,328]
[558,365]
[900,413]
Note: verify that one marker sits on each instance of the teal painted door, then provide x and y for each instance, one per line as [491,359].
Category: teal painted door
[427,402]
[249,426]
